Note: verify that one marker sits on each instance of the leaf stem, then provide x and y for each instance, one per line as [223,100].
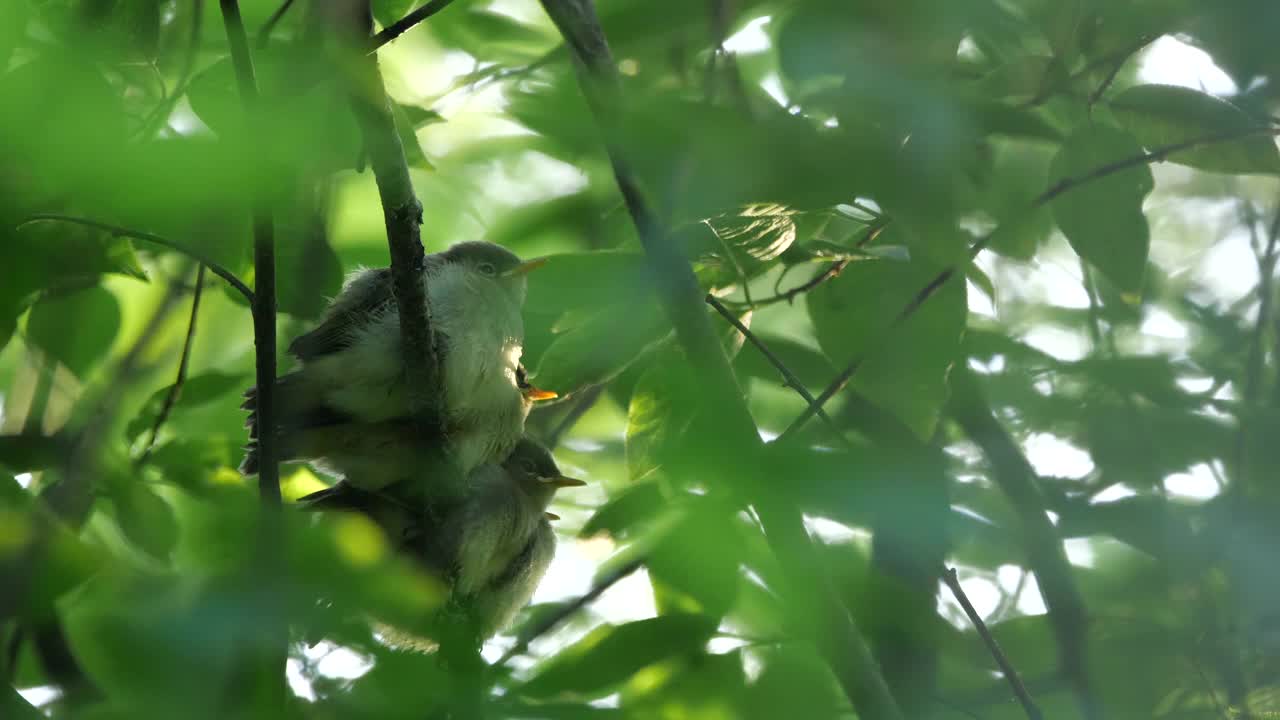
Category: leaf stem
[154,239]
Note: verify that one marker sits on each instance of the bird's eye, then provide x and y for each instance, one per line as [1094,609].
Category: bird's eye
[486,268]
[528,466]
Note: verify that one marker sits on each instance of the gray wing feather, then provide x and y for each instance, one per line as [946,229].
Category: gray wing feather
[366,294]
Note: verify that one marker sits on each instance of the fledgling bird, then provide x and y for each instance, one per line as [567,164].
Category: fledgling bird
[492,547]
[352,370]
[390,456]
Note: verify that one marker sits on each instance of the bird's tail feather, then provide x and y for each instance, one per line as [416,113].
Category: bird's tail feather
[297,407]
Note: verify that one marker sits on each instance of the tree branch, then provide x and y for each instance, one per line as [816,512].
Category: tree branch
[402,215]
[553,620]
[1016,478]
[264,33]
[397,28]
[117,231]
[1015,682]
[266,674]
[841,643]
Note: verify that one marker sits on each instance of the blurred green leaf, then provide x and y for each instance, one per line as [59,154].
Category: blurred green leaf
[196,391]
[1160,115]
[75,328]
[597,349]
[145,518]
[638,503]
[611,654]
[1102,217]
[903,369]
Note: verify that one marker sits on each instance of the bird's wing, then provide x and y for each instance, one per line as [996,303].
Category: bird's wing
[366,294]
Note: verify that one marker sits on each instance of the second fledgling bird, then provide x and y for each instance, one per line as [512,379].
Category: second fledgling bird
[493,546]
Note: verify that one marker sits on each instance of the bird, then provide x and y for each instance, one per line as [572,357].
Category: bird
[352,372]
[492,547]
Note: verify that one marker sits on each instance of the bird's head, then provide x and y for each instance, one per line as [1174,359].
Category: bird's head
[489,262]
[535,471]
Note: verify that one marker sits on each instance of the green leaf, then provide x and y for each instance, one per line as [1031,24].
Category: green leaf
[1160,115]
[75,328]
[1102,217]
[611,654]
[588,280]
[659,412]
[145,518]
[903,370]
[599,348]
[695,566]
[196,391]
[728,249]
[387,12]
[638,503]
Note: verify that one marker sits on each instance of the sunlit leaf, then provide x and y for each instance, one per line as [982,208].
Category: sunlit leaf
[1162,115]
[1102,216]
[611,654]
[75,328]
[902,369]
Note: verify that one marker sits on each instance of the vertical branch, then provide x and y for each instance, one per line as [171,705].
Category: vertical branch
[183,361]
[401,211]
[840,642]
[264,272]
[266,674]
[1016,478]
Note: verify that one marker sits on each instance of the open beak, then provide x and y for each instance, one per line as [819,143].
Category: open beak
[534,394]
[560,481]
[526,267]
[551,516]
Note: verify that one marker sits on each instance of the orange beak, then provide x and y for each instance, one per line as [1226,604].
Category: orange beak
[534,394]
[526,267]
[551,516]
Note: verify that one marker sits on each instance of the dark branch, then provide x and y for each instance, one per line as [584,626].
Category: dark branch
[264,33]
[788,377]
[397,28]
[553,620]
[172,396]
[263,671]
[1015,682]
[264,270]
[117,231]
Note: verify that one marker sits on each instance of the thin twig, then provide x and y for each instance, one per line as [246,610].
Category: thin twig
[1160,153]
[397,28]
[1063,186]
[264,33]
[789,377]
[553,620]
[1049,89]
[1019,690]
[176,389]
[117,231]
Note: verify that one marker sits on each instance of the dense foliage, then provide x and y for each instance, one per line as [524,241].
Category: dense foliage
[1047,281]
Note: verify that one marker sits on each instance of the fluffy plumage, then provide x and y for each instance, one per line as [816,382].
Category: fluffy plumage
[493,546]
[351,369]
